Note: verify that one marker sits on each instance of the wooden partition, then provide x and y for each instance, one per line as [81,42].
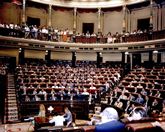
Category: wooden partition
[30,109]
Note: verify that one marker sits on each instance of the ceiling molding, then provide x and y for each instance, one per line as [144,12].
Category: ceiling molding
[89,3]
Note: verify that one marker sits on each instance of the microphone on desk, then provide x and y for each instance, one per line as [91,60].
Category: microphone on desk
[29,119]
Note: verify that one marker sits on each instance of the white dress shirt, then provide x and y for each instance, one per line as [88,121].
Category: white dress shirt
[58,120]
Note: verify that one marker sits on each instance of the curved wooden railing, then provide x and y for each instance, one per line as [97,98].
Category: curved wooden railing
[158,44]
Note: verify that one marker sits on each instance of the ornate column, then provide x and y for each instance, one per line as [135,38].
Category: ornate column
[50,16]
[99,19]
[75,19]
[24,11]
[124,18]
[151,15]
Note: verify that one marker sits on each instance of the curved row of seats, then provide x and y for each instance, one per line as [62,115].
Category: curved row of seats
[36,80]
[140,84]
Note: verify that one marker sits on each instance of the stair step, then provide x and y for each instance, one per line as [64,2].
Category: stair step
[12,118]
[11,87]
[12,114]
[11,92]
[11,95]
[12,108]
[11,101]
[12,105]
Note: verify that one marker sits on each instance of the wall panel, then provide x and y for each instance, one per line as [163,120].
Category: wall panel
[35,54]
[112,57]
[113,22]
[38,13]
[61,55]
[86,56]
[10,53]
[62,19]
[87,18]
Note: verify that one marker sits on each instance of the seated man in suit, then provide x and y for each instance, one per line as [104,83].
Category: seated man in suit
[137,113]
[119,104]
[139,99]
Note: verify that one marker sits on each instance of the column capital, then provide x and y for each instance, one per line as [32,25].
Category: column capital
[23,11]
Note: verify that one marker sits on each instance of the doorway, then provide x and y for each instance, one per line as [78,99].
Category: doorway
[136,59]
[143,24]
[33,21]
[88,27]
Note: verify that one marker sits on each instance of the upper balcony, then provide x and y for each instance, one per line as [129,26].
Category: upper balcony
[132,43]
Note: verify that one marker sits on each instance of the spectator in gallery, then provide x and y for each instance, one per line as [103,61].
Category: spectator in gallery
[87,34]
[109,38]
[27,31]
[34,32]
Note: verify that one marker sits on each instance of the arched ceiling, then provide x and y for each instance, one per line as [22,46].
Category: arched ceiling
[89,3]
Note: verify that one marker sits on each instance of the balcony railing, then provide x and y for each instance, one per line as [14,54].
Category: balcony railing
[6,41]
